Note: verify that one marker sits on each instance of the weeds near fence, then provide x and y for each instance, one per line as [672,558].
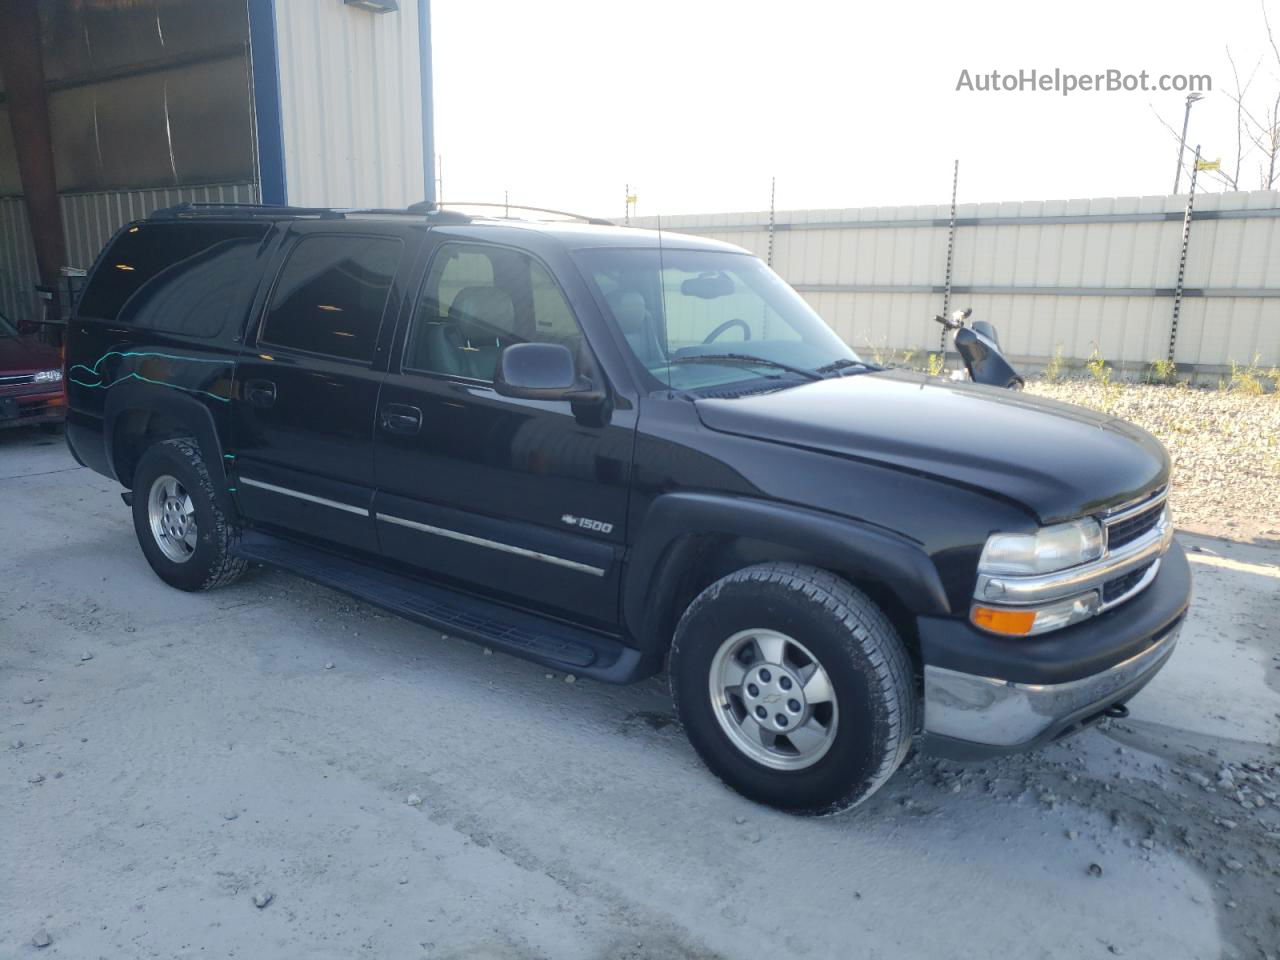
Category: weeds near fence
[936,364]
[1053,369]
[1248,380]
[1098,369]
[1162,371]
[1101,373]
[881,355]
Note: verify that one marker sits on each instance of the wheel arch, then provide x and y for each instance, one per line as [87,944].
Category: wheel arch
[688,541]
[138,415]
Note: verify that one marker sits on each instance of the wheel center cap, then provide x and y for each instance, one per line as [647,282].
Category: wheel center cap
[775,697]
[175,519]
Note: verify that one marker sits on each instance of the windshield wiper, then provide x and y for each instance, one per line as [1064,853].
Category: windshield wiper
[745,358]
[835,366]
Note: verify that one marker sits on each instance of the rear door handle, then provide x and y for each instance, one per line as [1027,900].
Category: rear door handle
[260,393]
[401,418]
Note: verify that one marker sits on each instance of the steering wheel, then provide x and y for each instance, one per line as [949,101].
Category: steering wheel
[729,325]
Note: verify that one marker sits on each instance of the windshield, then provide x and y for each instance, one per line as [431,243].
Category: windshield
[6,328]
[683,305]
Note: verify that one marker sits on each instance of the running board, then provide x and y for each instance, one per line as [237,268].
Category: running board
[548,642]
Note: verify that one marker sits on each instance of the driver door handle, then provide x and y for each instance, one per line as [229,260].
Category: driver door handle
[400,418]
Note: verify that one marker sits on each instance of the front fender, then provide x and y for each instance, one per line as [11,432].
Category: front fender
[676,522]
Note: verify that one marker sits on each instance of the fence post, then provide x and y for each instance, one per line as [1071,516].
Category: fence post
[951,249]
[1182,256]
[773,183]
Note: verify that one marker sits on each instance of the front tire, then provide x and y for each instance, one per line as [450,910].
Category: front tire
[794,688]
[184,534]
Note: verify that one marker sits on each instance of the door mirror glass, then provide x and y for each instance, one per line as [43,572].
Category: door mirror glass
[537,371]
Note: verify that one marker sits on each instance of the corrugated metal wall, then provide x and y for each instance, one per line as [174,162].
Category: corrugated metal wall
[1070,275]
[142,95]
[17,262]
[89,220]
[351,103]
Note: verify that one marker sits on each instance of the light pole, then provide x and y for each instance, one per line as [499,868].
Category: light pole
[1182,144]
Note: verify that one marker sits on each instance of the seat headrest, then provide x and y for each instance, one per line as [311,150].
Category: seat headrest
[628,310]
[483,312]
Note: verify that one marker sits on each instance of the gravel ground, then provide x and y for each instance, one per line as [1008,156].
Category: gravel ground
[1225,448]
[272,770]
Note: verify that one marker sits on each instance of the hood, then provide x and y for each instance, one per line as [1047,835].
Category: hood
[27,355]
[1057,460]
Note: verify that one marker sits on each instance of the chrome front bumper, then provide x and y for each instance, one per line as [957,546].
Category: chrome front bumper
[966,714]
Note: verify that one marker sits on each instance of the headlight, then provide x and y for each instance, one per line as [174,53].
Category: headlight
[1029,621]
[48,376]
[1048,549]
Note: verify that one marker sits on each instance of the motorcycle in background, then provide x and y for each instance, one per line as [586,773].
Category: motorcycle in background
[979,348]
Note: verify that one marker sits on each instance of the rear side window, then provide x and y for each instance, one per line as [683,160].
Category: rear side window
[331,296]
[191,279]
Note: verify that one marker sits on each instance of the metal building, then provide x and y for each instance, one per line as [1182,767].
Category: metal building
[112,108]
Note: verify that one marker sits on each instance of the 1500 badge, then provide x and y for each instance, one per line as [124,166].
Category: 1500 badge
[586,523]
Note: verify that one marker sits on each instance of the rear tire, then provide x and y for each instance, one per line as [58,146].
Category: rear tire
[184,534]
[810,657]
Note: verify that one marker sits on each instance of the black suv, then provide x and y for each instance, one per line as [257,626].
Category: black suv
[613,452]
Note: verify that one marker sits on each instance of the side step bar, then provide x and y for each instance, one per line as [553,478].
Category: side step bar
[548,642]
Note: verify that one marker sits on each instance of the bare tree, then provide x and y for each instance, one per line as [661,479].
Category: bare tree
[1258,118]
[1257,121]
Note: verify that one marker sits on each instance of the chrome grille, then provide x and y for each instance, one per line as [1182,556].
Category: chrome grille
[1132,522]
[1120,587]
[1131,528]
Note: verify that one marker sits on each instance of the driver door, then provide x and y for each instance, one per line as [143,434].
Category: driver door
[512,497]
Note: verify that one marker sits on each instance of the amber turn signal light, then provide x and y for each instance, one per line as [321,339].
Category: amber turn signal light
[1011,623]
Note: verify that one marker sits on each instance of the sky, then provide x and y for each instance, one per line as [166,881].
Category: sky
[696,104]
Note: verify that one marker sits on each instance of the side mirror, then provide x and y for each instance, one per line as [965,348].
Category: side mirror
[541,371]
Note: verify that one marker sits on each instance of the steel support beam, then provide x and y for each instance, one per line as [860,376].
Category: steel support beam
[264,69]
[22,66]
[428,106]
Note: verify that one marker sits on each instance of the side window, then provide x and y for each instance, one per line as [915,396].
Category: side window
[331,295]
[478,299]
[552,319]
[189,279]
[465,269]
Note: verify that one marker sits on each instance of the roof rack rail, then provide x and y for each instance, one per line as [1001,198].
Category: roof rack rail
[419,210]
[188,209]
[432,208]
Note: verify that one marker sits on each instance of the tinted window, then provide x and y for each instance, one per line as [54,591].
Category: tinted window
[477,300]
[331,295]
[184,278]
